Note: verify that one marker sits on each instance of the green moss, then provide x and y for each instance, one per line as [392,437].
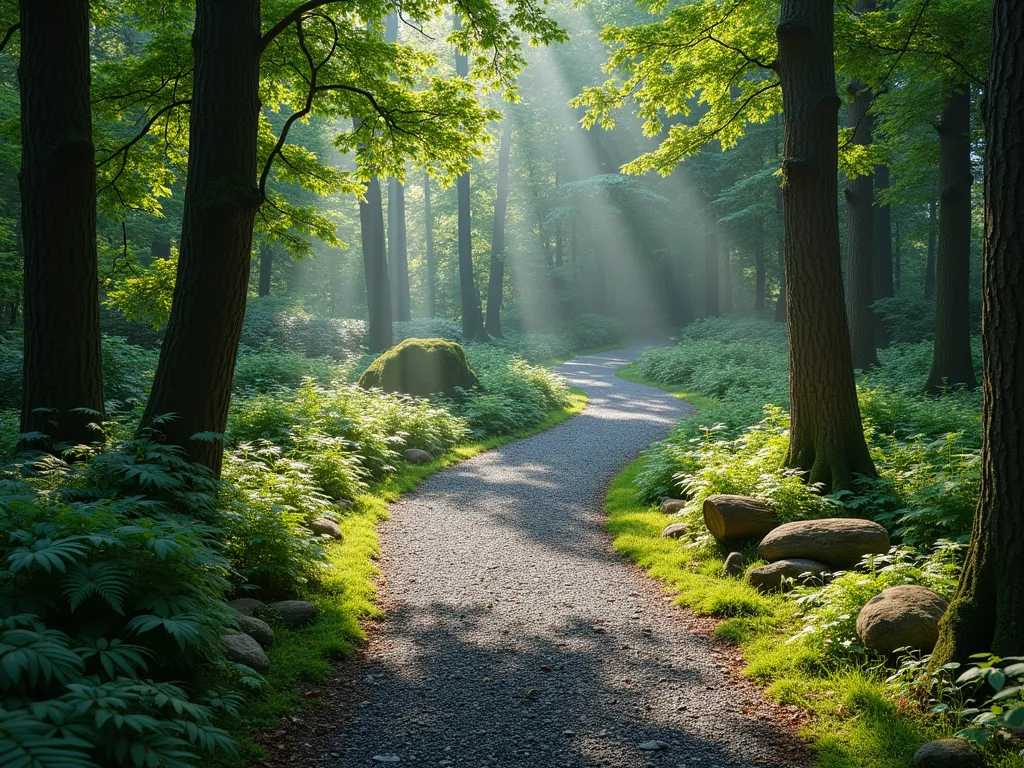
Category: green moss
[421,367]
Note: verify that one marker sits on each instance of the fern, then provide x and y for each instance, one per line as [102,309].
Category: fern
[107,580]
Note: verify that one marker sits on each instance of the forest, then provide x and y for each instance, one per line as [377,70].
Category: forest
[628,383]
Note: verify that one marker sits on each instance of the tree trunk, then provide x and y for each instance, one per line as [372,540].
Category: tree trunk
[266,268]
[472,321]
[496,283]
[734,518]
[398,241]
[860,214]
[710,270]
[197,359]
[883,272]
[780,250]
[897,260]
[952,363]
[430,279]
[826,436]
[726,301]
[759,266]
[62,357]
[987,612]
[929,267]
[375,268]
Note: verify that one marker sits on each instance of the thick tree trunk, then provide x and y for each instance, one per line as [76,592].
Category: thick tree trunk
[430,279]
[826,436]
[929,266]
[780,251]
[860,212]
[710,270]
[987,612]
[759,266]
[884,271]
[375,268]
[952,363]
[63,362]
[266,268]
[197,359]
[496,283]
[398,251]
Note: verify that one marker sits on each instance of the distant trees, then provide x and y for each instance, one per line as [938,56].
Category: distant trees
[63,388]
[375,268]
[496,281]
[398,245]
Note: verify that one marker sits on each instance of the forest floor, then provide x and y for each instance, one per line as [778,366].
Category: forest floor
[512,635]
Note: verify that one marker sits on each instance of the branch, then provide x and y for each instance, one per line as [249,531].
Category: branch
[741,52]
[142,134]
[10,33]
[292,18]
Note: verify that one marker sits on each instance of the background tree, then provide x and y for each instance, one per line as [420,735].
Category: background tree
[496,282]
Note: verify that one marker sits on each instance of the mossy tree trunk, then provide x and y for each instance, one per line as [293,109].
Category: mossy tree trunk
[826,436]
[987,612]
[62,357]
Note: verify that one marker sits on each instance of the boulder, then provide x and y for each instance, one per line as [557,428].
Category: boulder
[672,506]
[947,753]
[782,575]
[242,649]
[342,504]
[416,456]
[840,542]
[734,518]
[293,613]
[257,629]
[248,606]
[901,617]
[326,527]
[735,565]
[674,531]
[421,367]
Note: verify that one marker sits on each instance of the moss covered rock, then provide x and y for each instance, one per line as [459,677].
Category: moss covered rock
[421,367]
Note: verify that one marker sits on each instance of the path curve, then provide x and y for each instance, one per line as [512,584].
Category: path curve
[497,571]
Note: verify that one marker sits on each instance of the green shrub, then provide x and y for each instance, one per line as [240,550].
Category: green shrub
[427,328]
[421,367]
[272,323]
[264,370]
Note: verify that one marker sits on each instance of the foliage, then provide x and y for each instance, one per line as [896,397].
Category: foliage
[1000,709]
[146,295]
[267,369]
[277,325]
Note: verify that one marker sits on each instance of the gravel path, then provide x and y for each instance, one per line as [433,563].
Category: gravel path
[515,637]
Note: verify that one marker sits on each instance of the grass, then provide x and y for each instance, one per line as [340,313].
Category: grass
[629,373]
[853,721]
[346,595]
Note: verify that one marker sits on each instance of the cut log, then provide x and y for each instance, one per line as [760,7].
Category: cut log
[734,518]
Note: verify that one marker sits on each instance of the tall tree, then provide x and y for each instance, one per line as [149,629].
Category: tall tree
[929,266]
[780,251]
[430,278]
[472,320]
[952,363]
[375,268]
[884,272]
[987,612]
[63,362]
[398,245]
[496,281]
[826,436]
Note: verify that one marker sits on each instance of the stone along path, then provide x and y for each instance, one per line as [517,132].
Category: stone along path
[515,637]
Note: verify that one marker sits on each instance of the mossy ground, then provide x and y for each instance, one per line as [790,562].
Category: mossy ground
[301,659]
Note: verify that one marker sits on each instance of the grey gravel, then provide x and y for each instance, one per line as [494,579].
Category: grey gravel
[514,635]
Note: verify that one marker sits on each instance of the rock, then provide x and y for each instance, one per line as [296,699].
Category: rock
[416,456]
[900,617]
[326,527]
[652,746]
[242,649]
[672,506]
[421,367]
[342,504]
[674,531]
[248,606]
[947,753]
[386,759]
[257,629]
[840,542]
[734,518]
[770,578]
[294,613]
[735,564]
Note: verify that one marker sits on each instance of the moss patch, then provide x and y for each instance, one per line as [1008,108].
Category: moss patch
[421,367]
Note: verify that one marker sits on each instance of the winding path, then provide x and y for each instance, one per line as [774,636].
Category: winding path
[498,572]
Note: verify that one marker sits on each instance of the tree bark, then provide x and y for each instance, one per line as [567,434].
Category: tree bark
[472,320]
[884,270]
[826,436]
[197,359]
[430,279]
[929,266]
[952,363]
[375,268]
[710,270]
[62,356]
[987,612]
[860,212]
[759,266]
[780,250]
[496,283]
[266,268]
